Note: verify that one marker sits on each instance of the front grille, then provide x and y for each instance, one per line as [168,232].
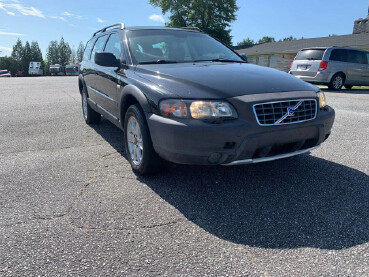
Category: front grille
[285,112]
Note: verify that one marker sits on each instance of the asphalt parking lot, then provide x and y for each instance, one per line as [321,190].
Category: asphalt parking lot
[70,205]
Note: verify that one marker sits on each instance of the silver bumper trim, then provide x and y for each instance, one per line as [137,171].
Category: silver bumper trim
[267,159]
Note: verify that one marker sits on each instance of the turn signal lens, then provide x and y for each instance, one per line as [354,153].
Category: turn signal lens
[322,101]
[173,108]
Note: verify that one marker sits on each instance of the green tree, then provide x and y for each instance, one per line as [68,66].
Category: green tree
[80,51]
[290,38]
[52,52]
[213,17]
[246,41]
[266,39]
[26,58]
[73,56]
[64,52]
[17,54]
[36,54]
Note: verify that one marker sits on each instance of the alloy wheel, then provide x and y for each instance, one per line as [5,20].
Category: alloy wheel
[134,141]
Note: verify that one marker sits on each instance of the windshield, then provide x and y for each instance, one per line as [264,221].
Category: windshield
[171,46]
[4,71]
[310,54]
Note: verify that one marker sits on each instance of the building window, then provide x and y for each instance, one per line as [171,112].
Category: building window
[261,61]
[272,61]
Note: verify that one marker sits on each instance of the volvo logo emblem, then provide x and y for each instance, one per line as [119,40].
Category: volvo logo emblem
[290,112]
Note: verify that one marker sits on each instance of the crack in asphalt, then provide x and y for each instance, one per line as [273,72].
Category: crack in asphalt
[51,149]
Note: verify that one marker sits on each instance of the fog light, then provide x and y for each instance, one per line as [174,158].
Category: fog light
[214,158]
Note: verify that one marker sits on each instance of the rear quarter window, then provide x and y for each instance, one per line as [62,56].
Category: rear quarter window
[339,55]
[88,48]
[310,54]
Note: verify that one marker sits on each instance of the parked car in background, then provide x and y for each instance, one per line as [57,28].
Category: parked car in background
[35,69]
[332,66]
[182,96]
[71,69]
[57,69]
[5,73]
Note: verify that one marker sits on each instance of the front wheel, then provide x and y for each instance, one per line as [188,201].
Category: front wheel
[140,152]
[337,82]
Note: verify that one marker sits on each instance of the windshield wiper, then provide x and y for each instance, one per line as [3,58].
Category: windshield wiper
[220,60]
[158,62]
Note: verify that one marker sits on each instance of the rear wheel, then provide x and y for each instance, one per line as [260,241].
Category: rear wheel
[90,116]
[337,82]
[140,152]
[348,87]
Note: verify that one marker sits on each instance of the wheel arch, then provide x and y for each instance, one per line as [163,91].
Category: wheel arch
[81,84]
[340,72]
[132,95]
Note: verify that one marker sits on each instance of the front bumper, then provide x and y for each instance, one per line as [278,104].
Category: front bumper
[200,143]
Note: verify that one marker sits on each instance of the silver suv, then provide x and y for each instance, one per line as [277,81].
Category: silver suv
[332,66]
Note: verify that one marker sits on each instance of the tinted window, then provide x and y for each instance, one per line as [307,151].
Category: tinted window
[339,55]
[113,45]
[4,71]
[357,57]
[99,46]
[310,54]
[179,46]
[88,48]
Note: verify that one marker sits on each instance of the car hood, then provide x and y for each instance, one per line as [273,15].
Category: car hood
[219,80]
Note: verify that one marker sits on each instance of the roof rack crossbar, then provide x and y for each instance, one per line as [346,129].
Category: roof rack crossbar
[192,28]
[121,26]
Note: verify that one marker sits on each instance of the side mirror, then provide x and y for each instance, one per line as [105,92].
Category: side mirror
[244,57]
[106,59]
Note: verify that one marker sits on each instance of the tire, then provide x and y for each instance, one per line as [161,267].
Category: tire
[348,87]
[337,82]
[90,116]
[140,152]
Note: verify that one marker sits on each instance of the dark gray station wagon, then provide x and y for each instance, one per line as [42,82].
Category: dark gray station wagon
[182,96]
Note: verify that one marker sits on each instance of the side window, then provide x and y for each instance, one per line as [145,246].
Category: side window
[363,58]
[367,57]
[339,55]
[88,48]
[113,45]
[357,57]
[99,46]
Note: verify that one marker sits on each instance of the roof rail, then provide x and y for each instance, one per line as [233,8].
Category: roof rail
[192,28]
[121,26]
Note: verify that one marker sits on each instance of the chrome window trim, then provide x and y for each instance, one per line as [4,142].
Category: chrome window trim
[287,123]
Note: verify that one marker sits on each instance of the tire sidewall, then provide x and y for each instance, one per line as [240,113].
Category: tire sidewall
[333,79]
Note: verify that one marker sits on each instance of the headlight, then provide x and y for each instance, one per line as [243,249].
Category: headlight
[197,109]
[322,102]
[212,110]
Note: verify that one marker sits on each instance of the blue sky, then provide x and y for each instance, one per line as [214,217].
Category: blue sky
[76,20]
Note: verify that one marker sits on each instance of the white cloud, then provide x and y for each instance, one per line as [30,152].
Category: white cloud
[59,18]
[157,18]
[100,20]
[3,33]
[5,51]
[14,5]
[76,16]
